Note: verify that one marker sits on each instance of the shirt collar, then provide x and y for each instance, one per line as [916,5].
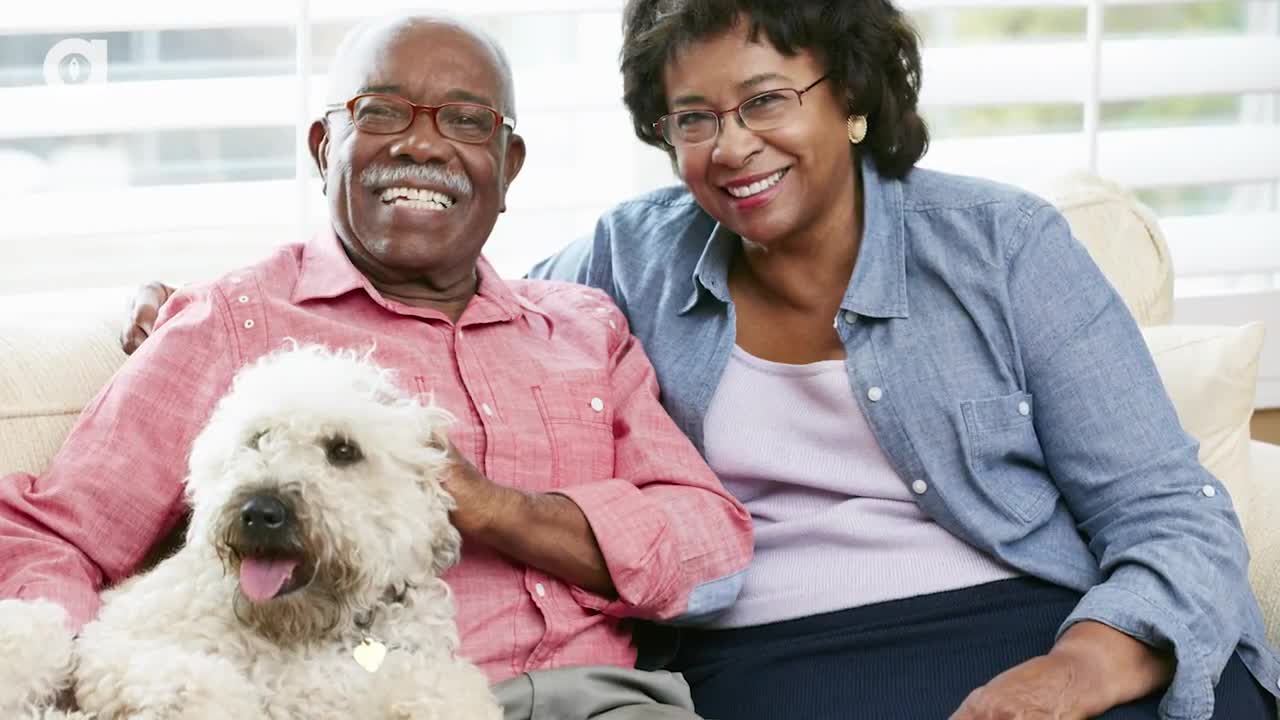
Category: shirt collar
[878,287]
[711,274]
[327,273]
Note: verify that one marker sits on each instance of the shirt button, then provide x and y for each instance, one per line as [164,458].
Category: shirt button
[850,316]
[875,394]
[919,487]
[243,299]
[1209,491]
[540,589]
[248,324]
[487,410]
[597,404]
[1024,408]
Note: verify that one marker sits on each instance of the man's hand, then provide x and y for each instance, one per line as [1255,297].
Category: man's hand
[143,310]
[543,530]
[1091,669]
[480,501]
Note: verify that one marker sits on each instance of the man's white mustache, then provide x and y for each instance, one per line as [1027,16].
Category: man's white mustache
[378,177]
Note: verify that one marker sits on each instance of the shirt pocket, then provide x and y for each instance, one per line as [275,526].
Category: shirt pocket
[1005,455]
[577,412]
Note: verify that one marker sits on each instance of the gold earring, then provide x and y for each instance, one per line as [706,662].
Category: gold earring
[857,128]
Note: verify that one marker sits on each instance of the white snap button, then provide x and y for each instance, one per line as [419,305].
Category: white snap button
[850,317]
[540,589]
[875,394]
[919,487]
[1024,408]
[1209,491]
[487,410]
[248,324]
[597,404]
[243,299]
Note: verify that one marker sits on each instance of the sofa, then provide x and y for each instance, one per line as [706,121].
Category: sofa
[57,351]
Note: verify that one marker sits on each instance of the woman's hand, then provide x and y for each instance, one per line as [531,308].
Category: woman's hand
[144,308]
[1091,669]
[1045,688]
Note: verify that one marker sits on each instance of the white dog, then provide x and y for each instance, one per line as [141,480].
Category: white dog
[308,587]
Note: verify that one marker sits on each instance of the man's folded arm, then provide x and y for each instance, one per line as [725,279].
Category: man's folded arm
[115,487]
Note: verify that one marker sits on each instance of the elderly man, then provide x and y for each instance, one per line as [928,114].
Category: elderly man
[581,503]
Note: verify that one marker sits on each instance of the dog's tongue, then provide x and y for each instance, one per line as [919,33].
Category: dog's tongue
[262,578]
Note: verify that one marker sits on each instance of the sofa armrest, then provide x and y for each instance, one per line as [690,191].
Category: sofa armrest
[1264,536]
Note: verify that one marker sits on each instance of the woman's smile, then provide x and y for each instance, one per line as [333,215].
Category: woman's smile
[755,191]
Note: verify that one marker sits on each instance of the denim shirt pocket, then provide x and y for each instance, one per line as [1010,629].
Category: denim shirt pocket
[577,412]
[1005,457]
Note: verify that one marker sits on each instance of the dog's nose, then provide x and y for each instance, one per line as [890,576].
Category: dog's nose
[263,513]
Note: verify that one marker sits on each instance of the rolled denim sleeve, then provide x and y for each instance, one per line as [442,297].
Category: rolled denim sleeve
[1171,551]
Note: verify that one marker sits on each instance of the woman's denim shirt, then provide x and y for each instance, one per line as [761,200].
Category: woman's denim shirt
[1004,377]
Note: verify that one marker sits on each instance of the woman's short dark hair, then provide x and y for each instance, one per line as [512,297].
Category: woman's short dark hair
[868,46]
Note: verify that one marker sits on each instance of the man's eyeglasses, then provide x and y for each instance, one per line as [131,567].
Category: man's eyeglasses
[380,114]
[766,111]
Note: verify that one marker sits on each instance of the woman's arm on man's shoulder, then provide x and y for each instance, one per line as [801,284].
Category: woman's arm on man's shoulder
[144,309]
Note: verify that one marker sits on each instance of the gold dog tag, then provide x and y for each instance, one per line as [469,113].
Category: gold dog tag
[370,654]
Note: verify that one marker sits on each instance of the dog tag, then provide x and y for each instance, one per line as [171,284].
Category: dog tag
[370,654]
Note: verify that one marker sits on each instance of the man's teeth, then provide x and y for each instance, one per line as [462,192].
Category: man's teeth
[417,198]
[757,187]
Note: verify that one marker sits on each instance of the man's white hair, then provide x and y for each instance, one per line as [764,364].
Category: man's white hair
[362,37]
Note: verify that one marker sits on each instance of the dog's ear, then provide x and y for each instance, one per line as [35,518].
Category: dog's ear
[445,549]
[434,422]
[437,438]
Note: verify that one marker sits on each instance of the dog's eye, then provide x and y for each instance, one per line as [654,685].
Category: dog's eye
[342,452]
[255,441]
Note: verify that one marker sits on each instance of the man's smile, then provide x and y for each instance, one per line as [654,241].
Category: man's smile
[417,198]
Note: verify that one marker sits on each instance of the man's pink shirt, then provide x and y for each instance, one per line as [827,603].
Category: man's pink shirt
[551,392]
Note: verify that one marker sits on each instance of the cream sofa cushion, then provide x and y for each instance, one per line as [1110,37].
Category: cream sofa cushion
[54,357]
[1264,546]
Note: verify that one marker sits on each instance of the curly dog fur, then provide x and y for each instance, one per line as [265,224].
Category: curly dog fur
[258,615]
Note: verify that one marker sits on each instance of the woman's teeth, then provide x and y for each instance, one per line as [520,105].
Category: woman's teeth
[757,187]
[417,198]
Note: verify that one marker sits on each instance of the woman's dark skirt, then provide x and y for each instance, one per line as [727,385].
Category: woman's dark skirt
[911,659]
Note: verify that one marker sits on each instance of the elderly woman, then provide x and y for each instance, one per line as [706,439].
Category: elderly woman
[969,487]
[971,495]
